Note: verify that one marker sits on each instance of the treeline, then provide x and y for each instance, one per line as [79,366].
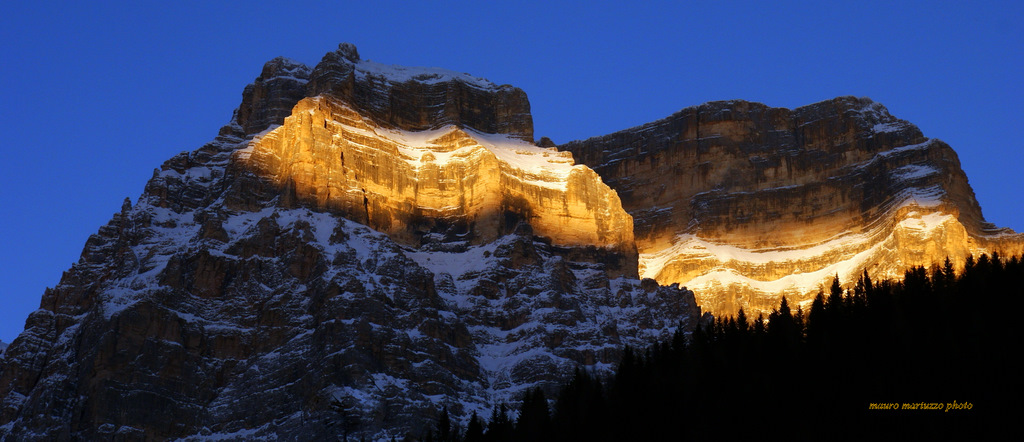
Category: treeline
[934,355]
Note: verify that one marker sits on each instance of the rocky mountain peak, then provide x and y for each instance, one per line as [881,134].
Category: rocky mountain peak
[365,244]
[419,98]
[413,152]
[285,68]
[269,98]
[348,51]
[361,245]
[407,98]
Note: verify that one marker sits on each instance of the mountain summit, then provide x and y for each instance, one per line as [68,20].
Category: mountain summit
[363,245]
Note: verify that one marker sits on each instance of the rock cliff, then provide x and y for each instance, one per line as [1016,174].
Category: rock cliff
[360,246]
[452,181]
[414,151]
[364,244]
[744,203]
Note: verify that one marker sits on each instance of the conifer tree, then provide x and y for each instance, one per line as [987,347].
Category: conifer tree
[444,426]
[500,427]
[475,429]
[741,321]
[534,416]
[784,310]
[835,297]
[798,322]
[948,271]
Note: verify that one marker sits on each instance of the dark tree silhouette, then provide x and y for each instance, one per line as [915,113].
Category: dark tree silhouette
[935,337]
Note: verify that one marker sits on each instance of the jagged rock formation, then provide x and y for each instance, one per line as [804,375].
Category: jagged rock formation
[411,151]
[421,98]
[412,99]
[363,244]
[245,294]
[743,203]
[453,181]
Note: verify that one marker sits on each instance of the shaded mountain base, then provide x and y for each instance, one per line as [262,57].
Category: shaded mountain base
[890,359]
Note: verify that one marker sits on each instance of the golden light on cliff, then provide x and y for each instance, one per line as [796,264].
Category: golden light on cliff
[451,179]
[726,277]
[405,183]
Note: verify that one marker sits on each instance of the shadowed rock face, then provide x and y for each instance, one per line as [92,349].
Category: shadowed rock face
[742,202]
[244,293]
[163,330]
[364,244]
[418,99]
[270,98]
[412,99]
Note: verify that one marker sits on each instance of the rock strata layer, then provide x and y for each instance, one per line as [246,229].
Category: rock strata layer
[451,181]
[744,203]
[364,244]
[361,246]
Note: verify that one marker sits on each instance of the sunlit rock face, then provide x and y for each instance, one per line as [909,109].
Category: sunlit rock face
[364,244]
[451,181]
[327,266]
[743,203]
[417,151]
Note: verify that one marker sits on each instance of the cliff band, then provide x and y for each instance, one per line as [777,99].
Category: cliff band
[360,247]
[744,203]
[366,244]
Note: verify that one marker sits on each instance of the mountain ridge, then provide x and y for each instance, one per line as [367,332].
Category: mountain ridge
[753,182]
[364,244]
[227,304]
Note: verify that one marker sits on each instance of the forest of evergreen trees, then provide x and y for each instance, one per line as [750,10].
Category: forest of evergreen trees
[930,356]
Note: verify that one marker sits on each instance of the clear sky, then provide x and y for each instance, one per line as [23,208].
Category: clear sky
[93,98]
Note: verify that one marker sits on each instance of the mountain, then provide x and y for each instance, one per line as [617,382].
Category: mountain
[363,245]
[359,247]
[744,203]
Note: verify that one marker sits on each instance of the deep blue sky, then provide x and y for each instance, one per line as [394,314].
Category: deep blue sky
[93,98]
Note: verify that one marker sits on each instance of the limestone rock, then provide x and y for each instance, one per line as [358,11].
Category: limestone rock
[450,181]
[363,244]
[418,99]
[743,202]
[244,295]
[258,335]
[271,97]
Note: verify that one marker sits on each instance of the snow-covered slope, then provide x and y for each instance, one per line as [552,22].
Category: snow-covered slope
[231,302]
[365,244]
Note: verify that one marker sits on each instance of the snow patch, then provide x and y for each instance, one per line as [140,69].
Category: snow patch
[927,222]
[245,152]
[913,172]
[798,282]
[425,75]
[888,127]
[542,166]
[688,246]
